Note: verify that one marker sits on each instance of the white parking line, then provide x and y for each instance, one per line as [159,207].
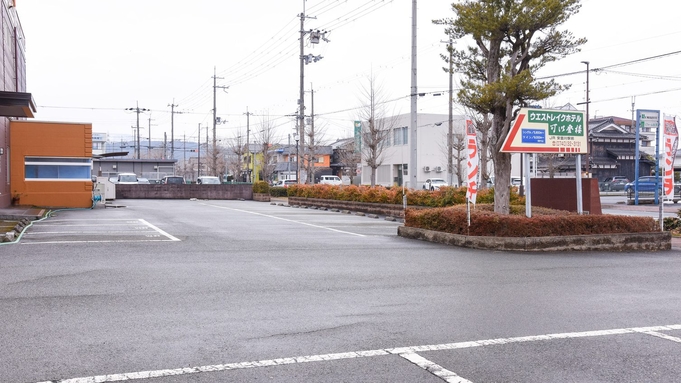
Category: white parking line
[287,220]
[435,369]
[159,230]
[139,230]
[663,336]
[408,353]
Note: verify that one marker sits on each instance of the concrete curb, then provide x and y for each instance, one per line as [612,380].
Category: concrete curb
[657,241]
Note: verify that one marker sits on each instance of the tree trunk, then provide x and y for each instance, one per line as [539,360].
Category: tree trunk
[502,181]
[502,164]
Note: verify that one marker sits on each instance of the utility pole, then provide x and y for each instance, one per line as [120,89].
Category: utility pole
[304,60]
[301,100]
[214,165]
[149,146]
[138,110]
[248,144]
[450,132]
[198,149]
[311,146]
[413,165]
[172,128]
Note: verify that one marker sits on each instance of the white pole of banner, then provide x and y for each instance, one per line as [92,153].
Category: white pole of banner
[528,190]
[578,174]
[662,211]
[468,211]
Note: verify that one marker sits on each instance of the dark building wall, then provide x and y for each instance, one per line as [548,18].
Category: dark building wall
[12,79]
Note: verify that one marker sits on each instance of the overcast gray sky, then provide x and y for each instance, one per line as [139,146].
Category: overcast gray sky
[89,60]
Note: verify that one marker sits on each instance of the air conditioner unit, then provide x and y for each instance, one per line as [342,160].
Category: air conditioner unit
[438,169]
[426,169]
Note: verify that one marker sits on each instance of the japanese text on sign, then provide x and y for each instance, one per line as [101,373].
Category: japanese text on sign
[534,136]
[559,123]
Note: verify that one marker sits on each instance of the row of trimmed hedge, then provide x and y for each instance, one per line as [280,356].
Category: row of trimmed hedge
[544,222]
[446,196]
[448,213]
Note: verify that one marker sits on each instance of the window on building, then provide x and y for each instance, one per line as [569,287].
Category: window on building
[58,168]
[401,135]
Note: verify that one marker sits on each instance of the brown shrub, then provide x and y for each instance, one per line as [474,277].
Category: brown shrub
[543,223]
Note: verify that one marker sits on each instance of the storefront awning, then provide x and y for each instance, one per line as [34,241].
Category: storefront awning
[16,104]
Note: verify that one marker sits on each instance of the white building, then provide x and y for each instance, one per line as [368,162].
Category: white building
[431,152]
[98,143]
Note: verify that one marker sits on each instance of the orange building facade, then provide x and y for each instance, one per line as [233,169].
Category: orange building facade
[51,164]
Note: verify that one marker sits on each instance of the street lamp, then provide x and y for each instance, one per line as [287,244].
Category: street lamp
[588,134]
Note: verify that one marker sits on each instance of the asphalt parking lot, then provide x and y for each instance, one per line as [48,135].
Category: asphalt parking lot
[240,291]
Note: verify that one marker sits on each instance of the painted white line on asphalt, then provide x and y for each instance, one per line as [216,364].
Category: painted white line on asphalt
[159,230]
[137,232]
[81,232]
[356,354]
[288,220]
[220,367]
[54,220]
[435,369]
[663,336]
[99,241]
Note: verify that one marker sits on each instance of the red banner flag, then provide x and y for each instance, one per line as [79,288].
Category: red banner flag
[671,142]
[472,163]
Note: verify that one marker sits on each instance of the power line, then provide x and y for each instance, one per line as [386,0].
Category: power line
[613,65]
[644,75]
[637,95]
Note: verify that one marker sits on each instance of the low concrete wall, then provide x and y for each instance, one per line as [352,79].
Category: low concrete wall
[185,191]
[390,210]
[607,242]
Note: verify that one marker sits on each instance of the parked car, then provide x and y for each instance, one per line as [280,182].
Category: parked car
[434,183]
[143,181]
[126,178]
[616,183]
[172,180]
[330,180]
[285,183]
[645,184]
[208,180]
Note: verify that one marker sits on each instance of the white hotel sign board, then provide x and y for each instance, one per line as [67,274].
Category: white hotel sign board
[547,131]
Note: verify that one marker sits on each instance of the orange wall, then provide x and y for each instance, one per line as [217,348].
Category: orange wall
[48,139]
[325,163]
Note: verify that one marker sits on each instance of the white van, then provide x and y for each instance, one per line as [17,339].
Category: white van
[126,178]
[330,180]
[208,180]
